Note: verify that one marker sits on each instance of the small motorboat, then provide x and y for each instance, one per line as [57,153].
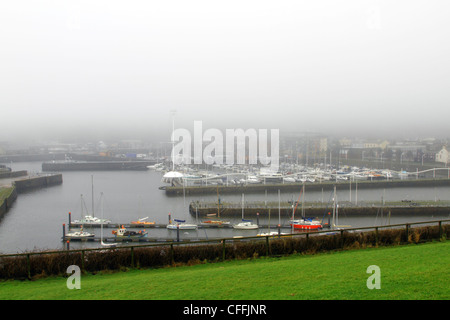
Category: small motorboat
[91,220]
[143,222]
[80,234]
[123,232]
[246,225]
[215,222]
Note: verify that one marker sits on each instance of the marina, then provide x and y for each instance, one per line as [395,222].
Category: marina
[129,195]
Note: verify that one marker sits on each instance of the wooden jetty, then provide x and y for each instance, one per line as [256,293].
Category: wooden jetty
[163,226]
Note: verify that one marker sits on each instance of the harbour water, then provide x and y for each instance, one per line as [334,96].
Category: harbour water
[35,221]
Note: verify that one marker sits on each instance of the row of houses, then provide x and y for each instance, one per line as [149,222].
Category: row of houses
[426,150]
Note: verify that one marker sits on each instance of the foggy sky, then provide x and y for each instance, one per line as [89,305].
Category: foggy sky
[104,69]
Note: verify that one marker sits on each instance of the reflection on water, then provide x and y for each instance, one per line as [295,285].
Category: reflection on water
[35,221]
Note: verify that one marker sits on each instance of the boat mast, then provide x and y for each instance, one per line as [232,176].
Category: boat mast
[334,206]
[173,138]
[303,201]
[242,206]
[101,221]
[92,180]
[218,203]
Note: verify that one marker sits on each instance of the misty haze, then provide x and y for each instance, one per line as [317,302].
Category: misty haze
[113,69]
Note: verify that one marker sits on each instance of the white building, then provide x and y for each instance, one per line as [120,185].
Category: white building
[442,156]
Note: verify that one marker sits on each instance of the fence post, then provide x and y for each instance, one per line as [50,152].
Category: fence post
[28,267]
[376,236]
[342,238]
[407,232]
[82,261]
[223,250]
[267,246]
[440,230]
[132,257]
[172,259]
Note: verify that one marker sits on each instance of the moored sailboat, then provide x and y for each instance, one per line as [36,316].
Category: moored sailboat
[79,234]
[143,222]
[245,224]
[181,224]
[306,224]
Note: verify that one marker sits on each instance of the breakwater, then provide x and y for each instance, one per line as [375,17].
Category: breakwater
[203,209]
[316,186]
[35,182]
[7,198]
[12,174]
[96,165]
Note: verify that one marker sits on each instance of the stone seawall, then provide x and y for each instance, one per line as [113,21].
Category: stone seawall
[261,188]
[202,210]
[13,174]
[106,165]
[8,201]
[31,183]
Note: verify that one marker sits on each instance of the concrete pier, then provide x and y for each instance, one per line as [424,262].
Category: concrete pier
[41,181]
[202,209]
[97,165]
[315,186]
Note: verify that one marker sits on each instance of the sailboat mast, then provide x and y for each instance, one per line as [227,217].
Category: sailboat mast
[218,203]
[173,139]
[92,181]
[303,201]
[334,206]
[101,210]
[242,206]
[279,208]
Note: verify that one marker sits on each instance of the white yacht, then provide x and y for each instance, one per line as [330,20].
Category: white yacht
[181,224]
[91,220]
[246,225]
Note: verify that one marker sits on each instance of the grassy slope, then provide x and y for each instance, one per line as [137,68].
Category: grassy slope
[407,272]
[5,193]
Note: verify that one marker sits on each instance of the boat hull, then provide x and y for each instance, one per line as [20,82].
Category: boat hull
[306,226]
[215,223]
[242,226]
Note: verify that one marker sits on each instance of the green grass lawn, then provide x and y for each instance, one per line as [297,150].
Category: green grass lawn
[418,272]
[5,193]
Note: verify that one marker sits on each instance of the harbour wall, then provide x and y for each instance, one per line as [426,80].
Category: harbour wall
[25,185]
[260,188]
[31,157]
[30,183]
[202,210]
[99,165]
[8,200]
[13,174]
